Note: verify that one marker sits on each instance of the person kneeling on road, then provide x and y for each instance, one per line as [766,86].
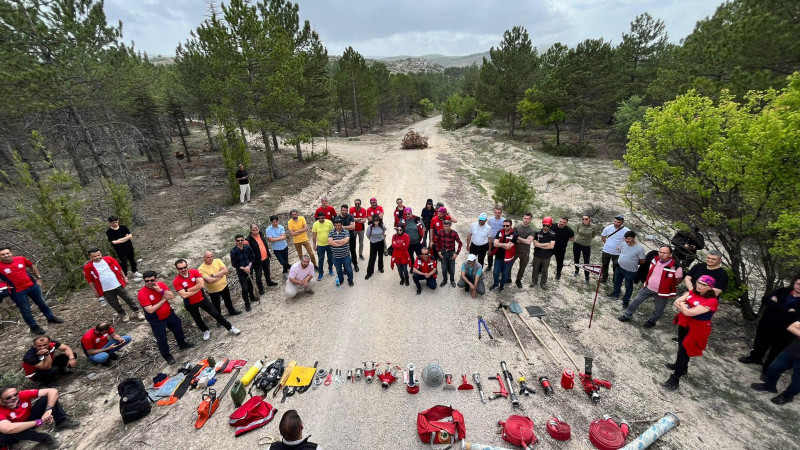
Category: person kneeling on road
[291,429]
[472,277]
[424,269]
[40,364]
[301,278]
[102,342]
[189,285]
[22,412]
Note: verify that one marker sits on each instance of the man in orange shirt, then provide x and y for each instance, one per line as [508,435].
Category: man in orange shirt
[258,243]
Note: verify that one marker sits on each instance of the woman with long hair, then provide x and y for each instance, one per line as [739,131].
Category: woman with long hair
[426,215]
[375,233]
[400,256]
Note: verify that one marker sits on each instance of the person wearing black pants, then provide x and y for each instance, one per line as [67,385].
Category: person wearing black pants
[376,233]
[258,244]
[31,410]
[564,235]
[189,285]
[349,224]
[120,238]
[242,259]
[223,295]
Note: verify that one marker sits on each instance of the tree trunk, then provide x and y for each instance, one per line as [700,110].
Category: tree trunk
[344,120]
[113,134]
[211,143]
[270,161]
[83,177]
[89,142]
[183,140]
[558,135]
[582,134]
[356,114]
[160,151]
[241,129]
[274,141]
[183,122]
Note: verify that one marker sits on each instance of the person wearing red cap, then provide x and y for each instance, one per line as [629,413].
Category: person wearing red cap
[437,223]
[695,310]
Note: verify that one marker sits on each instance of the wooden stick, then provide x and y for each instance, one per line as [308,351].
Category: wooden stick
[577,367]
[515,333]
[539,339]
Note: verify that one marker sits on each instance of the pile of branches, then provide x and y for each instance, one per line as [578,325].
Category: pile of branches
[412,139]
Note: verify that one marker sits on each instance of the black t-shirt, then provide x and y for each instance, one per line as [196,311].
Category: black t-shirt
[348,219]
[719,274]
[563,235]
[119,233]
[32,358]
[242,173]
[543,238]
[794,348]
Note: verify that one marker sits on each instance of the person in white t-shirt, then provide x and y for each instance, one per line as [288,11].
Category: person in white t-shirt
[109,281]
[613,236]
[478,238]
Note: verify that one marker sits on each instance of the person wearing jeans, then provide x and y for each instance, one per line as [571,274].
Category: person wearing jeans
[101,343]
[504,244]
[339,243]
[319,232]
[23,285]
[276,235]
[612,237]
[630,256]
[154,298]
[786,360]
[662,278]
[446,240]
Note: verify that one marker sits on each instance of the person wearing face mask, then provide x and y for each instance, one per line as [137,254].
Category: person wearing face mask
[101,343]
[400,255]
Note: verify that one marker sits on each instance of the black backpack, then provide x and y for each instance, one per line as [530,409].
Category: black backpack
[134,403]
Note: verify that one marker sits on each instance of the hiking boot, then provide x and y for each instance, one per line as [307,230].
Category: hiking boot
[419,290]
[186,345]
[355,268]
[380,269]
[781,400]
[235,331]
[558,277]
[407,283]
[350,283]
[125,317]
[494,286]
[762,387]
[544,286]
[500,289]
[206,335]
[247,308]
[67,424]
[170,359]
[367,277]
[54,319]
[38,330]
[518,284]
[235,312]
[402,281]
[50,442]
[649,324]
[262,292]
[672,383]
[670,366]
[623,318]
[444,283]
[271,284]
[748,360]
[452,284]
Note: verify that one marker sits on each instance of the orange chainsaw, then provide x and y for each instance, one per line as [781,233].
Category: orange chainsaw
[210,402]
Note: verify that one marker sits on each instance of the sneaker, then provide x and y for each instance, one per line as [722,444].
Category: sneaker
[270,284]
[407,283]
[748,360]
[355,268]
[672,383]
[518,284]
[361,257]
[247,308]
[493,287]
[613,295]
[675,339]
[54,319]
[625,306]
[350,283]
[623,318]
[500,289]
[575,274]
[206,335]
[587,281]
[558,277]
[380,269]
[234,330]
[186,345]
[125,318]
[262,292]
[310,291]
[50,442]
[330,272]
[444,283]
[402,281]
[532,285]
[38,330]
[235,312]
[67,424]
[140,315]
[320,277]
[419,290]
[452,284]
[762,387]
[649,324]
[781,400]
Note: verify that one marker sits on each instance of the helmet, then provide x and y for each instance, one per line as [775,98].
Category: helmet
[547,221]
[433,375]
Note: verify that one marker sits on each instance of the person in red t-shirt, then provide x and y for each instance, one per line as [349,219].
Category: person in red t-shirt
[360,214]
[154,298]
[23,285]
[437,224]
[326,209]
[101,343]
[424,269]
[22,412]
[189,285]
[41,364]
[400,244]
[374,208]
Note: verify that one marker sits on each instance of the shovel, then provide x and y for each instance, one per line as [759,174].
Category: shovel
[465,386]
[516,309]
[503,308]
[535,311]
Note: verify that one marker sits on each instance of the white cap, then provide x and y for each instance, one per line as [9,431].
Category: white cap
[471,257]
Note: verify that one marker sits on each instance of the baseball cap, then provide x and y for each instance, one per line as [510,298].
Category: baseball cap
[471,257]
[373,199]
[482,216]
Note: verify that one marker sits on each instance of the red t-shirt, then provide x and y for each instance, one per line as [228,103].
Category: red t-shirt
[181,282]
[437,224]
[424,267]
[17,272]
[372,211]
[148,297]
[23,409]
[92,341]
[329,212]
[361,213]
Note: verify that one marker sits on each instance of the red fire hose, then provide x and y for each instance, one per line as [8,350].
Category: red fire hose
[605,434]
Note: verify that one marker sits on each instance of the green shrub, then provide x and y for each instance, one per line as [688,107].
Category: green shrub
[121,201]
[426,107]
[514,193]
[482,118]
[568,149]
[234,152]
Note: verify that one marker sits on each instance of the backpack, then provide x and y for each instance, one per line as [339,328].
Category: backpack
[134,403]
[441,425]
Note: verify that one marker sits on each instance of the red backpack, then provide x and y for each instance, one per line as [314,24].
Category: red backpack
[441,425]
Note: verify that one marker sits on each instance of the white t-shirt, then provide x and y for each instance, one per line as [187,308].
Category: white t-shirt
[480,234]
[614,242]
[107,278]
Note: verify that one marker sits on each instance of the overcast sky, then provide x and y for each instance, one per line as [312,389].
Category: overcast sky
[420,27]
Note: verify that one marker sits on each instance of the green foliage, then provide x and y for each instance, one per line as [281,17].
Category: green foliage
[640,53]
[514,193]
[482,118]
[458,111]
[426,107]
[628,112]
[724,166]
[121,201]
[590,83]
[580,149]
[234,152]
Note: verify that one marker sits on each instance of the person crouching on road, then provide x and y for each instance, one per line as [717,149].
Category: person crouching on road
[22,412]
[101,343]
[41,364]
[472,277]
[400,255]
[154,298]
[301,278]
[695,310]
[189,285]
[424,269]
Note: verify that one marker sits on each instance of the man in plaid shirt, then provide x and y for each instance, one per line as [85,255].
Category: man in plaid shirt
[446,240]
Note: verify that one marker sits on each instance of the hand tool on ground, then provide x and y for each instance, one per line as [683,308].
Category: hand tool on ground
[319,378]
[516,309]
[412,386]
[524,389]
[502,393]
[509,383]
[329,378]
[483,322]
[448,382]
[508,319]
[477,378]
[338,378]
[285,377]
[545,382]
[496,327]
[465,386]
[210,402]
[535,311]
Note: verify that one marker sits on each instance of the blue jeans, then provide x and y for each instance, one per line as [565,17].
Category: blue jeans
[323,250]
[344,265]
[430,281]
[619,275]
[100,358]
[641,296]
[502,271]
[781,364]
[160,327]
[35,294]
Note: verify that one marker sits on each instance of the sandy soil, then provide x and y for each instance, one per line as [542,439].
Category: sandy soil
[378,320]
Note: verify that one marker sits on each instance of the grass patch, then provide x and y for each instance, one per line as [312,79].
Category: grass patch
[490,174]
[474,181]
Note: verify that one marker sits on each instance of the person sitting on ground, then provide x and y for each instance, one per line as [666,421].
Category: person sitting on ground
[472,277]
[189,285]
[41,364]
[301,278]
[695,310]
[787,359]
[424,269]
[291,429]
[101,343]
[109,281]
[22,412]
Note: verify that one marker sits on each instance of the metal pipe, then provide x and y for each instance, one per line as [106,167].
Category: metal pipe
[652,434]
[473,446]
[510,383]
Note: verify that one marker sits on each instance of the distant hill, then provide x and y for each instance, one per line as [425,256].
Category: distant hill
[443,60]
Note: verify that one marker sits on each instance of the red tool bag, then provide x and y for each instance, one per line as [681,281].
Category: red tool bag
[558,429]
[254,413]
[518,431]
[441,425]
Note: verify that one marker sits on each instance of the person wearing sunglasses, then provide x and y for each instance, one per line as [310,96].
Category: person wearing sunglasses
[242,258]
[505,243]
[190,286]
[154,298]
[23,413]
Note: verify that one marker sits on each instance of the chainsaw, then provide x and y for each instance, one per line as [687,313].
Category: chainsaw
[210,402]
